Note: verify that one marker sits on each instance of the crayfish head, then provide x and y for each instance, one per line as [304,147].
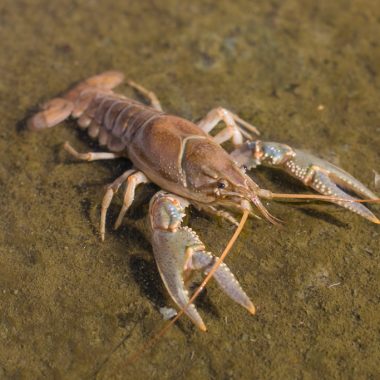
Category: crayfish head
[242,195]
[217,180]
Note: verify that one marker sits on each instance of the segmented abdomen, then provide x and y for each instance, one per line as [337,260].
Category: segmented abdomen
[112,119]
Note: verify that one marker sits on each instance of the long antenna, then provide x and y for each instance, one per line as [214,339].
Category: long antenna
[150,343]
[319,197]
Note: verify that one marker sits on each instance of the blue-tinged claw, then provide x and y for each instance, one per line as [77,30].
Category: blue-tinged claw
[224,277]
[323,183]
[255,153]
[178,250]
[172,244]
[322,176]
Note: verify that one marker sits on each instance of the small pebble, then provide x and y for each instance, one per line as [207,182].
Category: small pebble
[168,312]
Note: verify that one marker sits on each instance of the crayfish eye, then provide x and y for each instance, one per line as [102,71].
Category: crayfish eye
[222,184]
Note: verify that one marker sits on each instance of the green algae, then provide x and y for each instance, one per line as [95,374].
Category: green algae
[74,308]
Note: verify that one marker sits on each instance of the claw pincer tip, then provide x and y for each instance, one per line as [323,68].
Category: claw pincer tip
[252,309]
[203,327]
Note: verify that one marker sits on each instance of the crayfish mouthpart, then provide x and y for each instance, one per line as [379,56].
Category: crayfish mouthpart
[267,215]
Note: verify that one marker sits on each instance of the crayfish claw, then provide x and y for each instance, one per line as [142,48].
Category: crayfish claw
[170,250]
[172,247]
[224,277]
[322,176]
[347,181]
[323,183]
[178,251]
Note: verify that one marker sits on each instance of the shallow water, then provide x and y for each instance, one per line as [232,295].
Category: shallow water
[74,308]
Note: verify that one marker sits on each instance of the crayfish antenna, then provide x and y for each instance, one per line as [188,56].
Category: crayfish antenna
[151,342]
[269,195]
